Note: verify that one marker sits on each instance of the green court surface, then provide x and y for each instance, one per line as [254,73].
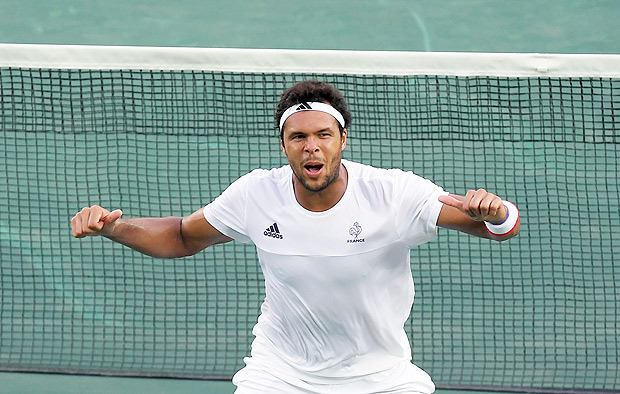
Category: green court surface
[28,383]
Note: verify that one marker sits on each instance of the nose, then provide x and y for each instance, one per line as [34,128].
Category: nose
[311,145]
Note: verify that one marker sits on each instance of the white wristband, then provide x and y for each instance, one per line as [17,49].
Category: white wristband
[512,217]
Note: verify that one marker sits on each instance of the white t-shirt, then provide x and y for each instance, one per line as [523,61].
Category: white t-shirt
[338,283]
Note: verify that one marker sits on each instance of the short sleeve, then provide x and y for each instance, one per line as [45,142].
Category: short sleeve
[227,213]
[417,205]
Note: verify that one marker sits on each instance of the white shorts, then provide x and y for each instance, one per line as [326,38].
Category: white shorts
[405,378]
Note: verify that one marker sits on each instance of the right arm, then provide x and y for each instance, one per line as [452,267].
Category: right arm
[167,237]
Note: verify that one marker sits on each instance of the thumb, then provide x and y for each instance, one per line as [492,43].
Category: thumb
[453,200]
[112,216]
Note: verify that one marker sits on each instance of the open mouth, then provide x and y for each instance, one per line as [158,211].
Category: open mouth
[313,169]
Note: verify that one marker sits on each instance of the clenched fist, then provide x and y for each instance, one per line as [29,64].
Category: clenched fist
[94,221]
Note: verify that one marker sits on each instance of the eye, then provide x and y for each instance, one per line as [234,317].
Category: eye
[296,137]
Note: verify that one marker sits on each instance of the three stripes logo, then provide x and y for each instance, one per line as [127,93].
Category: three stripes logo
[273,231]
[303,106]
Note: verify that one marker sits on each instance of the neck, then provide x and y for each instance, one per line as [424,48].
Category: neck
[325,199]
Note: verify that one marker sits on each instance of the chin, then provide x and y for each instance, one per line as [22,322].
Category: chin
[315,188]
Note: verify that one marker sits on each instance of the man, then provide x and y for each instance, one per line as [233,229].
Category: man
[333,239]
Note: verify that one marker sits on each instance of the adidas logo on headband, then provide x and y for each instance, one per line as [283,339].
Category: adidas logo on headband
[312,106]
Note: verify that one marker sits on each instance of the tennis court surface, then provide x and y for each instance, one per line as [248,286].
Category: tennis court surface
[25,383]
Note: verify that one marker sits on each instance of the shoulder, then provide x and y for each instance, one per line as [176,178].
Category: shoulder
[266,184]
[359,171]
[372,183]
[258,179]
[261,175]
[367,173]
[394,183]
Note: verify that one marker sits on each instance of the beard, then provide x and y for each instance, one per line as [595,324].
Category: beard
[329,178]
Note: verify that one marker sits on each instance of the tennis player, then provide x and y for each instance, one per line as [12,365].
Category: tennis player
[333,239]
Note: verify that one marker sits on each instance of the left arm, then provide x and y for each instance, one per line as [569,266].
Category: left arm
[469,213]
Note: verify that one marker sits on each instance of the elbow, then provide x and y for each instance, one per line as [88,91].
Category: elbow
[169,254]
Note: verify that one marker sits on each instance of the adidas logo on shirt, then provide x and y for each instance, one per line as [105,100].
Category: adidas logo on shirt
[273,231]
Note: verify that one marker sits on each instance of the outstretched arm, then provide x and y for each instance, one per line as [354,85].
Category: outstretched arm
[158,237]
[470,212]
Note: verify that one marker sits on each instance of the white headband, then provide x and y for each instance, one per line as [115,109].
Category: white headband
[312,106]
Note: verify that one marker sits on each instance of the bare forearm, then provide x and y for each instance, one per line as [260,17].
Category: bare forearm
[156,237]
[480,230]
[452,218]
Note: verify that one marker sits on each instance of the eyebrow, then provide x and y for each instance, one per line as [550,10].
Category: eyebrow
[325,129]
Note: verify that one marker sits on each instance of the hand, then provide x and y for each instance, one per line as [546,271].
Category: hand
[479,205]
[94,221]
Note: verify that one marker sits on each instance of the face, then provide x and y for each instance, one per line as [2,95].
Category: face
[313,145]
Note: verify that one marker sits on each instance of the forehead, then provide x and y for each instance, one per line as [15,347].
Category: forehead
[308,121]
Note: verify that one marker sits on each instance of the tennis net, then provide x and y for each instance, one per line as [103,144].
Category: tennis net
[162,131]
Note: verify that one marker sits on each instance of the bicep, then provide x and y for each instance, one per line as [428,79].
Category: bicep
[197,233]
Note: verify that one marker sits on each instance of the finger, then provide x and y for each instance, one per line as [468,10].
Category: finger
[112,217]
[485,204]
[492,204]
[95,216]
[76,226]
[453,200]
[471,203]
[83,218]
[495,210]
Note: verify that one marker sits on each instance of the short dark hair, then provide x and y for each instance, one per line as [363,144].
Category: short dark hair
[313,90]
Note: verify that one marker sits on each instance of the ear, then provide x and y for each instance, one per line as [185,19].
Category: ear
[282,147]
[343,142]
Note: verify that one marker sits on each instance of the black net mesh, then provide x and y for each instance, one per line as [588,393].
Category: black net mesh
[539,311]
